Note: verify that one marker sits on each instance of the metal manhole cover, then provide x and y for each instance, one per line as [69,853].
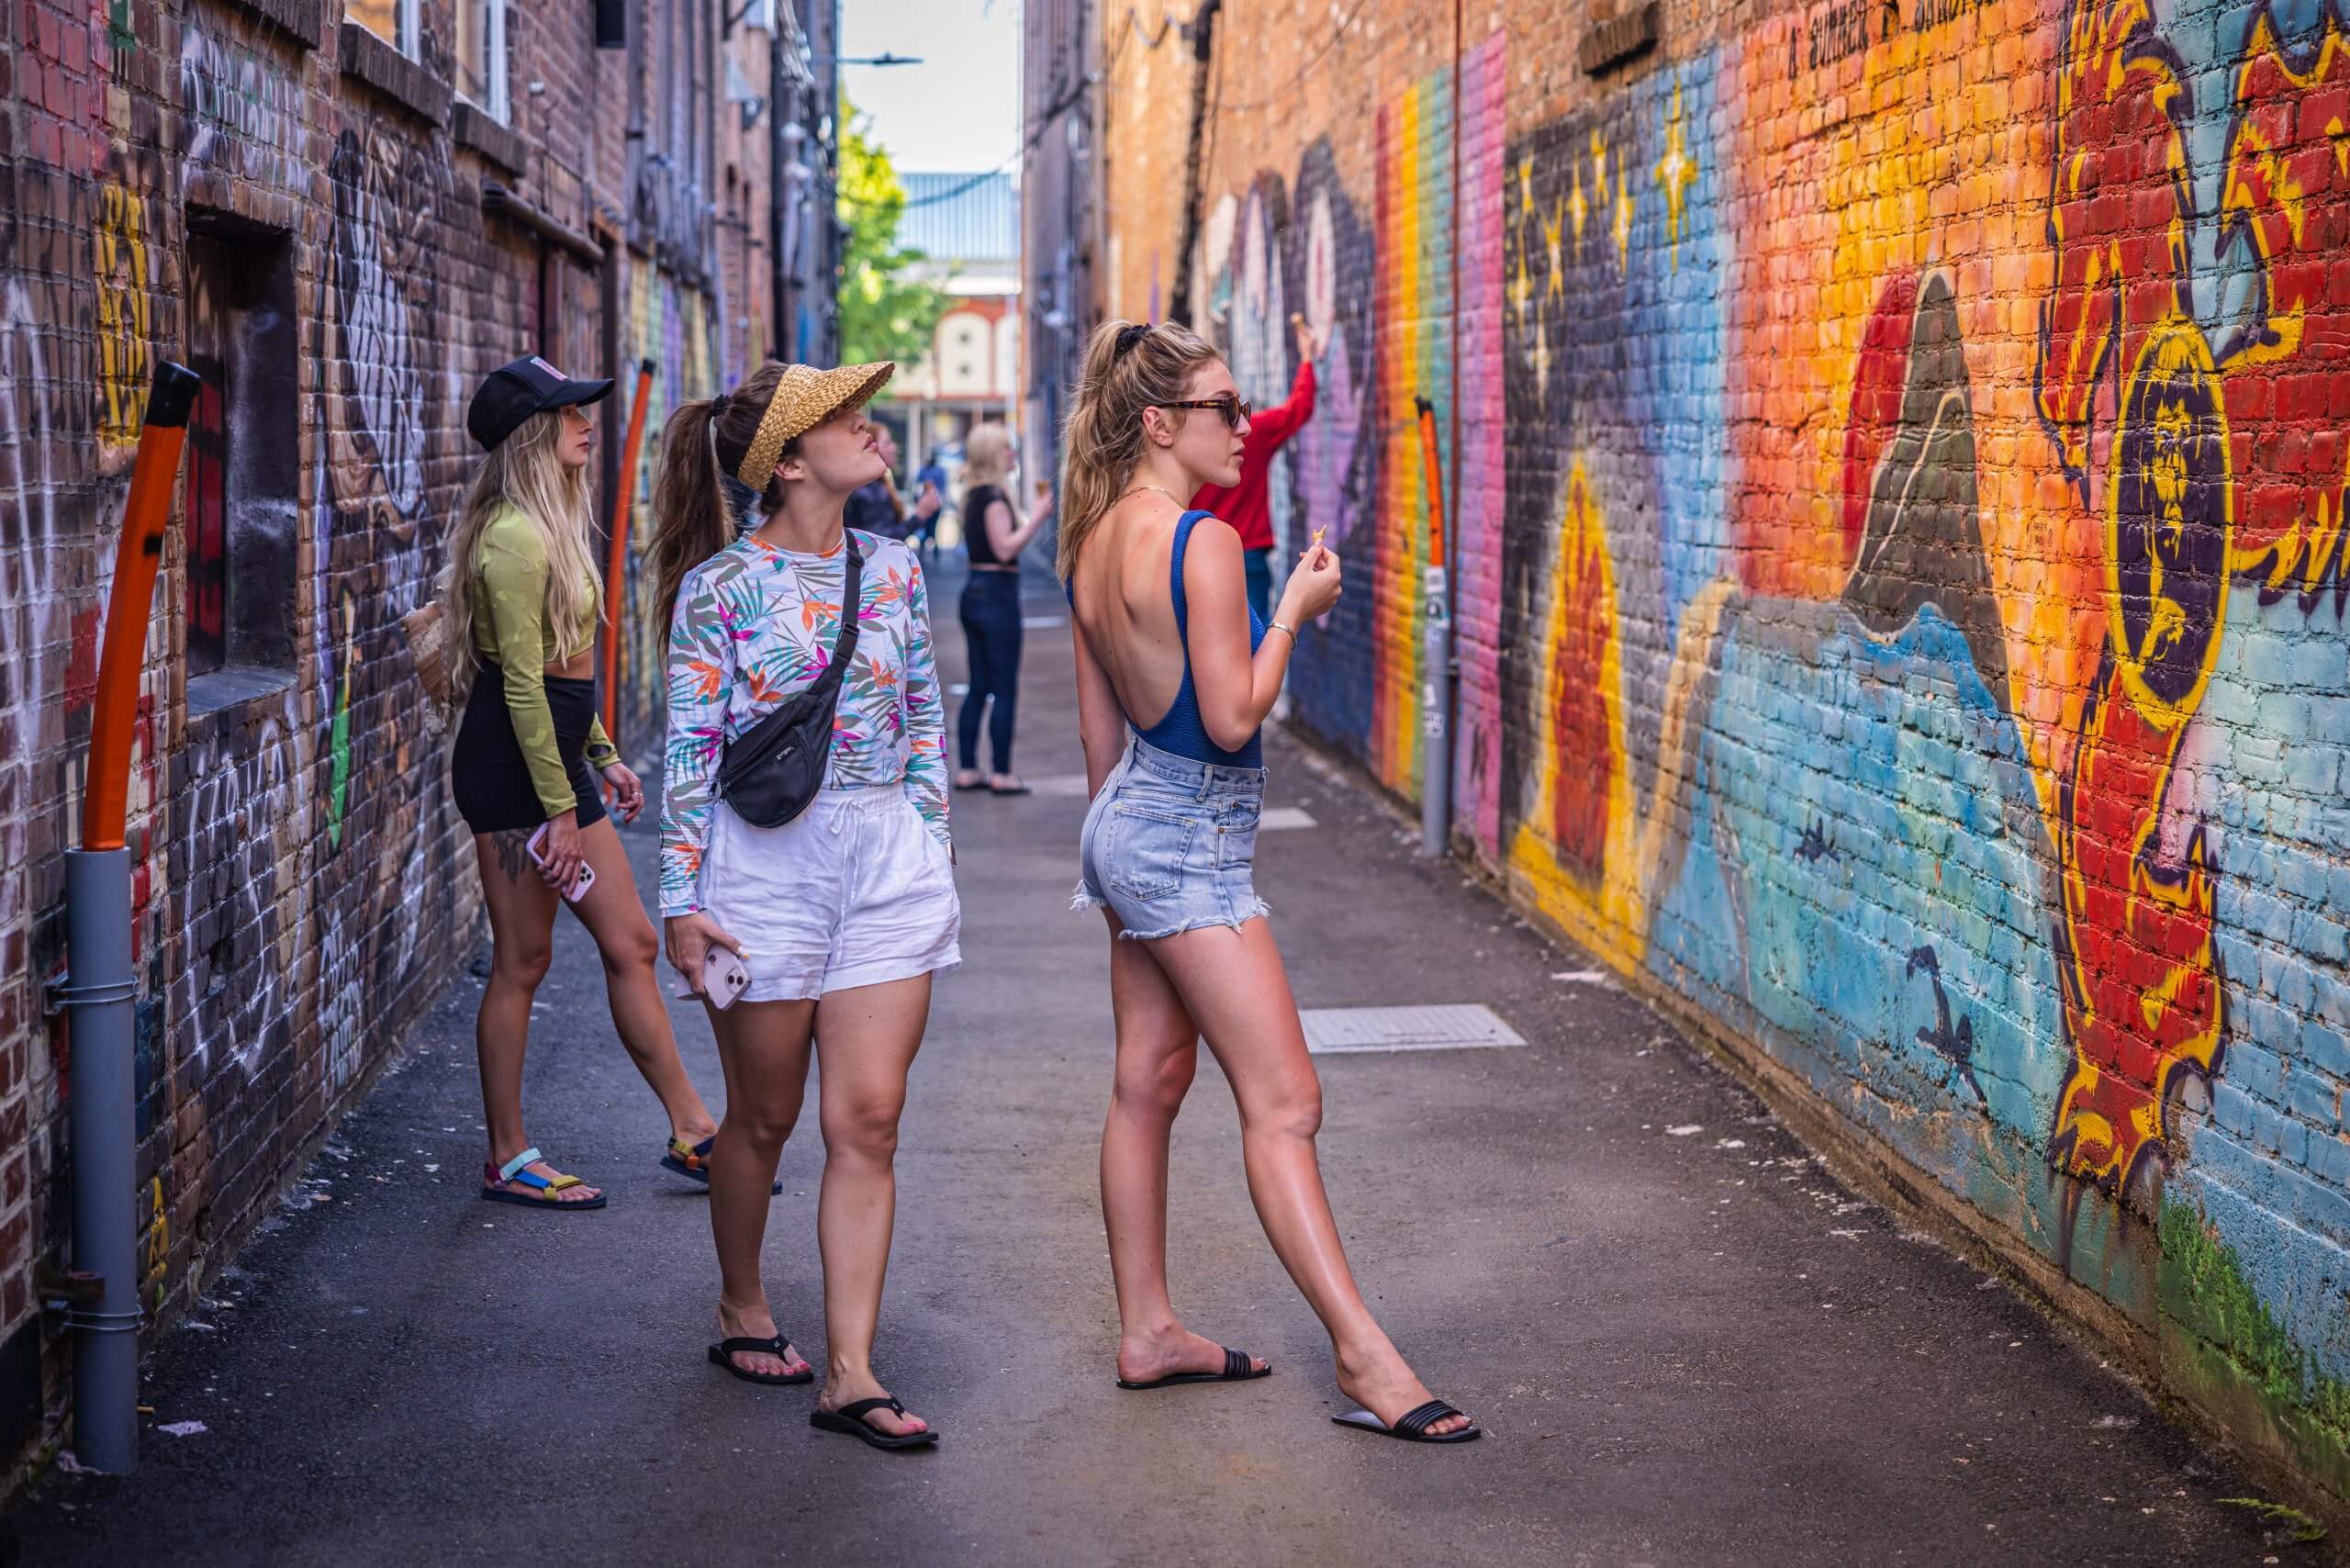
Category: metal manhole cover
[1435,1027]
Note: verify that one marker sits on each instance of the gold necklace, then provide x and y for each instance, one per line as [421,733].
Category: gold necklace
[1162,489]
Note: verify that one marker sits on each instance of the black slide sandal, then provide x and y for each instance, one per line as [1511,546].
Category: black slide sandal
[1413,1426]
[1235,1370]
[723,1355]
[849,1418]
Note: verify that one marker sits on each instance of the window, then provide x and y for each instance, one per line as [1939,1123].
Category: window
[481,55]
[243,463]
[394,22]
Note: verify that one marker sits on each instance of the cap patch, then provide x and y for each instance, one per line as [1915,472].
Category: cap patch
[548,368]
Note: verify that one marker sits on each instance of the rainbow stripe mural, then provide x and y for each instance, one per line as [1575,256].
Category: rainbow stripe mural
[1420,328]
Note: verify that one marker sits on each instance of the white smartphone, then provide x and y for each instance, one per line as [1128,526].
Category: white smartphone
[578,890]
[723,978]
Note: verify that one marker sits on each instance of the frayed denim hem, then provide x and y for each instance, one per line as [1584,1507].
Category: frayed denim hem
[1258,909]
[1081,900]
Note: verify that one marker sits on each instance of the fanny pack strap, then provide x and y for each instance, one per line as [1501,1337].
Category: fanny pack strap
[827,686]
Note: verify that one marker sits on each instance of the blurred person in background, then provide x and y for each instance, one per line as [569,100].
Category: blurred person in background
[994,534]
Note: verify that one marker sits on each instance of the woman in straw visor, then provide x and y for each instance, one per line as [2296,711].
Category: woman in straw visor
[839,915]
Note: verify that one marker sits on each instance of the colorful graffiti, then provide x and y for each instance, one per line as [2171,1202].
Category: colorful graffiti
[1385,296]
[1916,504]
[124,329]
[380,785]
[1936,642]
[672,327]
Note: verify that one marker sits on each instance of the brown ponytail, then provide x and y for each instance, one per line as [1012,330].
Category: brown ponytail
[692,519]
[1128,368]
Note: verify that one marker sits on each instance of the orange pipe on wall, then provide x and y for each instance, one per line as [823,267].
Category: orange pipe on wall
[105,796]
[615,571]
[1431,465]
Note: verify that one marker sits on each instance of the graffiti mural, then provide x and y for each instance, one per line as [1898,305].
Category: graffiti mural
[379,785]
[124,329]
[1380,289]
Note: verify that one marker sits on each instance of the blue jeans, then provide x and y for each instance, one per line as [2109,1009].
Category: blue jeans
[1260,566]
[992,631]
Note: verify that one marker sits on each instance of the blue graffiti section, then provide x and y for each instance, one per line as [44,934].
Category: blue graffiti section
[1893,752]
[2268,1165]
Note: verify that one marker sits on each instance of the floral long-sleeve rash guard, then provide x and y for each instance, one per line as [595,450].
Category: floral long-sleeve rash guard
[755,624]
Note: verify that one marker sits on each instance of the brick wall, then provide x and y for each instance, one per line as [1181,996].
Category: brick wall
[303,886]
[1895,456]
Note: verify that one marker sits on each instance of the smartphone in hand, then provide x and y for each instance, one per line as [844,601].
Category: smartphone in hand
[723,978]
[587,878]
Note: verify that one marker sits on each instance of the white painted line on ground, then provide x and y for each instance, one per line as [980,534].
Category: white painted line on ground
[1434,1027]
[1067,784]
[1042,622]
[1280,818]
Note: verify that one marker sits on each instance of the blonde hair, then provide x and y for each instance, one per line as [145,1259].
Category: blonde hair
[524,472]
[703,443]
[1102,439]
[987,460]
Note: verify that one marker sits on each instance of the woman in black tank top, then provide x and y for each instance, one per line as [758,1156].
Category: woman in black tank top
[993,533]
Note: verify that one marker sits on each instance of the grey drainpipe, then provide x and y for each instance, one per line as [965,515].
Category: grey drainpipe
[99,985]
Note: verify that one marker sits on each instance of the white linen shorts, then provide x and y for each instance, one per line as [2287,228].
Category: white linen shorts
[854,891]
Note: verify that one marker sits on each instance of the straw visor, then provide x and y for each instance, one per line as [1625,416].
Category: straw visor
[805,398]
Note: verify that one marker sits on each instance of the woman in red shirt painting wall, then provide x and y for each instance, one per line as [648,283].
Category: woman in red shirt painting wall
[1248,506]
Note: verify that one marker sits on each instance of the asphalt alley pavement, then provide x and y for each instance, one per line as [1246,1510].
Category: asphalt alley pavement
[1687,1341]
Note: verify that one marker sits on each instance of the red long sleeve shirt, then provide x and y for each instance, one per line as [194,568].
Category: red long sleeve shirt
[1247,505]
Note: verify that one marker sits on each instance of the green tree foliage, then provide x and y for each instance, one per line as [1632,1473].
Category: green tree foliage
[885,311]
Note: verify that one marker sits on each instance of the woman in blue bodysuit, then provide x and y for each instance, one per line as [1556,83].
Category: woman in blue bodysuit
[1163,626]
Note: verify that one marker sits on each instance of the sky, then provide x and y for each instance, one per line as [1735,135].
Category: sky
[958,111]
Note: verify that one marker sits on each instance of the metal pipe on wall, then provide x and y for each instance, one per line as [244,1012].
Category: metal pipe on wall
[100,985]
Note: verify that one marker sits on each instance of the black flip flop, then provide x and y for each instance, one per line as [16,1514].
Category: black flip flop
[1021,787]
[966,788]
[849,1418]
[722,1354]
[1235,1370]
[1413,1426]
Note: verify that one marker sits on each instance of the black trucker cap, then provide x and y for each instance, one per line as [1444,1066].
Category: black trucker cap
[514,392]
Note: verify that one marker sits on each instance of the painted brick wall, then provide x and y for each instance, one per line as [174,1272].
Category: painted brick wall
[1897,457]
[303,886]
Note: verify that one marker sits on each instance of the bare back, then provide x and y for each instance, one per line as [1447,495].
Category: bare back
[1123,603]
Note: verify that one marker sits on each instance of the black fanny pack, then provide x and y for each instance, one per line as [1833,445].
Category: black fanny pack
[769,776]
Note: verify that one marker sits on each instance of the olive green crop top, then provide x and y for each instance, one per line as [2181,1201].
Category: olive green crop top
[511,628]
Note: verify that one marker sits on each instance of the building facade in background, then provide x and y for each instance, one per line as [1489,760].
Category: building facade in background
[1893,479]
[967,228]
[1063,236]
[341,216]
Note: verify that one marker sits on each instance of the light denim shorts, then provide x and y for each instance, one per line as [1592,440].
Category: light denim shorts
[1170,844]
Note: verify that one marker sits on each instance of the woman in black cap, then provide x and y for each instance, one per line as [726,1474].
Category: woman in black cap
[521,593]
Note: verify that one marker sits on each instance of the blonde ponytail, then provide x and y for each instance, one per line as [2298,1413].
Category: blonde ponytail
[1128,368]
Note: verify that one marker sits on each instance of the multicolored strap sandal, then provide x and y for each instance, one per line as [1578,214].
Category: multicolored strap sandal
[693,1159]
[542,1189]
